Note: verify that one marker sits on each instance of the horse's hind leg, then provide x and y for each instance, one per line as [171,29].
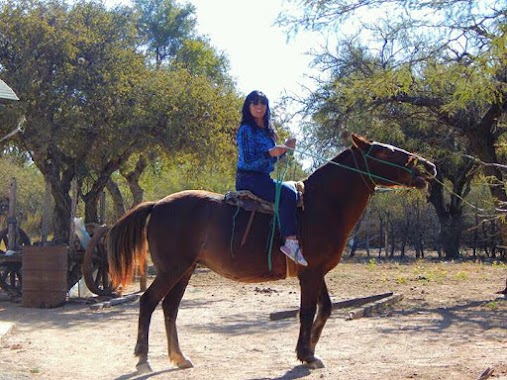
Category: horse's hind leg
[147,304]
[171,306]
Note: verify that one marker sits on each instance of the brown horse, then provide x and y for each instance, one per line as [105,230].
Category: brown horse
[196,227]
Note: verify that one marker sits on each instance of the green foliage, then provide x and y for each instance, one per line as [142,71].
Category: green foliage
[492,305]
[199,58]
[462,275]
[30,187]
[92,103]
[164,25]
[430,76]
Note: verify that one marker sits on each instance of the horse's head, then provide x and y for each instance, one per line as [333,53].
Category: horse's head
[387,165]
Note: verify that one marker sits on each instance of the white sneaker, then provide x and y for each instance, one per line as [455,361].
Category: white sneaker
[292,251]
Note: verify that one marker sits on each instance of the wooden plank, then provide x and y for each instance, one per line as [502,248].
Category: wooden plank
[374,308]
[485,374]
[115,301]
[336,305]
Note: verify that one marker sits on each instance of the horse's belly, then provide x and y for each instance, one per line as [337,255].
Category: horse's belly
[245,267]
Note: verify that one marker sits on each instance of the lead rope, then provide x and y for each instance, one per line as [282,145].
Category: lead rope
[231,248]
[280,175]
[357,170]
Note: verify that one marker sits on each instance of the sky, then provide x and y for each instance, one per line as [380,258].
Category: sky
[260,56]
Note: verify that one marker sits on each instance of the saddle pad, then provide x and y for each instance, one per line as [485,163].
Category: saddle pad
[250,202]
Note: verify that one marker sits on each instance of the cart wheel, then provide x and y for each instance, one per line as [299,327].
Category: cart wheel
[11,277]
[95,267]
[22,239]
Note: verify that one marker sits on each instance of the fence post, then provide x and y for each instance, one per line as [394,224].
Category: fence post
[73,204]
[46,214]
[11,219]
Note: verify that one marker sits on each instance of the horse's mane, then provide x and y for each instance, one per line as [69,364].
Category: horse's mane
[324,169]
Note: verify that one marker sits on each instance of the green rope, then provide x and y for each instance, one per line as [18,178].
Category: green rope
[367,173]
[276,214]
[279,181]
[231,248]
[388,163]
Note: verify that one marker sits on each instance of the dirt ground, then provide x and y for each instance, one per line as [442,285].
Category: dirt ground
[450,324]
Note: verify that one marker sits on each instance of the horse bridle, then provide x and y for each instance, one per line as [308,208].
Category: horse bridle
[370,176]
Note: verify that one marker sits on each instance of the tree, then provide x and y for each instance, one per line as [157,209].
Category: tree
[444,61]
[74,68]
[168,34]
[199,58]
[91,103]
[164,25]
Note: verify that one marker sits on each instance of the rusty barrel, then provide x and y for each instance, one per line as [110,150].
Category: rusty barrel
[44,276]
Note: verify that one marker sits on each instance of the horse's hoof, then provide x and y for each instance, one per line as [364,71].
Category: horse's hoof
[185,364]
[316,363]
[182,362]
[143,368]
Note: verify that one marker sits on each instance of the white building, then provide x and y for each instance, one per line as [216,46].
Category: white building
[6,92]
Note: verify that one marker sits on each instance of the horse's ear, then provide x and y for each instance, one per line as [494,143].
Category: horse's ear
[360,142]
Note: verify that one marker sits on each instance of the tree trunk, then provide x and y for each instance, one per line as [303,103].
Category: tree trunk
[117,198]
[483,143]
[92,206]
[133,180]
[367,232]
[46,215]
[60,191]
[392,239]
[450,235]
[450,218]
[381,233]
[92,197]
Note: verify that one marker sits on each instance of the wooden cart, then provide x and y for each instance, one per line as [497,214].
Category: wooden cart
[90,264]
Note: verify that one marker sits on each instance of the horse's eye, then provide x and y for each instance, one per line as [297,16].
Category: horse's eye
[412,162]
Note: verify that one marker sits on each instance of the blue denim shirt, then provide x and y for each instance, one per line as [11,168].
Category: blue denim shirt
[253,146]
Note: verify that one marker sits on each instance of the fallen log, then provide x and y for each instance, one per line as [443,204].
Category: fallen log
[374,308]
[336,305]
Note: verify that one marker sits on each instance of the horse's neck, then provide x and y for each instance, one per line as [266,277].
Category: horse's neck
[340,187]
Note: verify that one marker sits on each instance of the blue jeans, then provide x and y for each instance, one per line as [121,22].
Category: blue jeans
[263,186]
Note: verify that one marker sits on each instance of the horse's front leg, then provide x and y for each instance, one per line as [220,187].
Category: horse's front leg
[310,291]
[323,313]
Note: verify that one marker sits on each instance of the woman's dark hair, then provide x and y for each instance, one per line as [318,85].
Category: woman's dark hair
[246,116]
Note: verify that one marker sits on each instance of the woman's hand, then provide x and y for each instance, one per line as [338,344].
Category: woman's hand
[278,150]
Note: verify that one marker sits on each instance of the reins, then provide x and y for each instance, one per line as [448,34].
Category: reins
[280,175]
[362,176]
[356,169]
[372,177]
[276,214]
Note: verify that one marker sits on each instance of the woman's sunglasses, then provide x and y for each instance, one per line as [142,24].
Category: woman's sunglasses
[258,101]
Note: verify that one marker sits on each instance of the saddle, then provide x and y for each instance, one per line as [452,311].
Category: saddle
[248,201]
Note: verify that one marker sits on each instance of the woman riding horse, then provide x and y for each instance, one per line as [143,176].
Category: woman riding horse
[194,227]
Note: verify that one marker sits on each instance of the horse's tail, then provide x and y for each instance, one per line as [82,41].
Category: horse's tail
[127,245]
